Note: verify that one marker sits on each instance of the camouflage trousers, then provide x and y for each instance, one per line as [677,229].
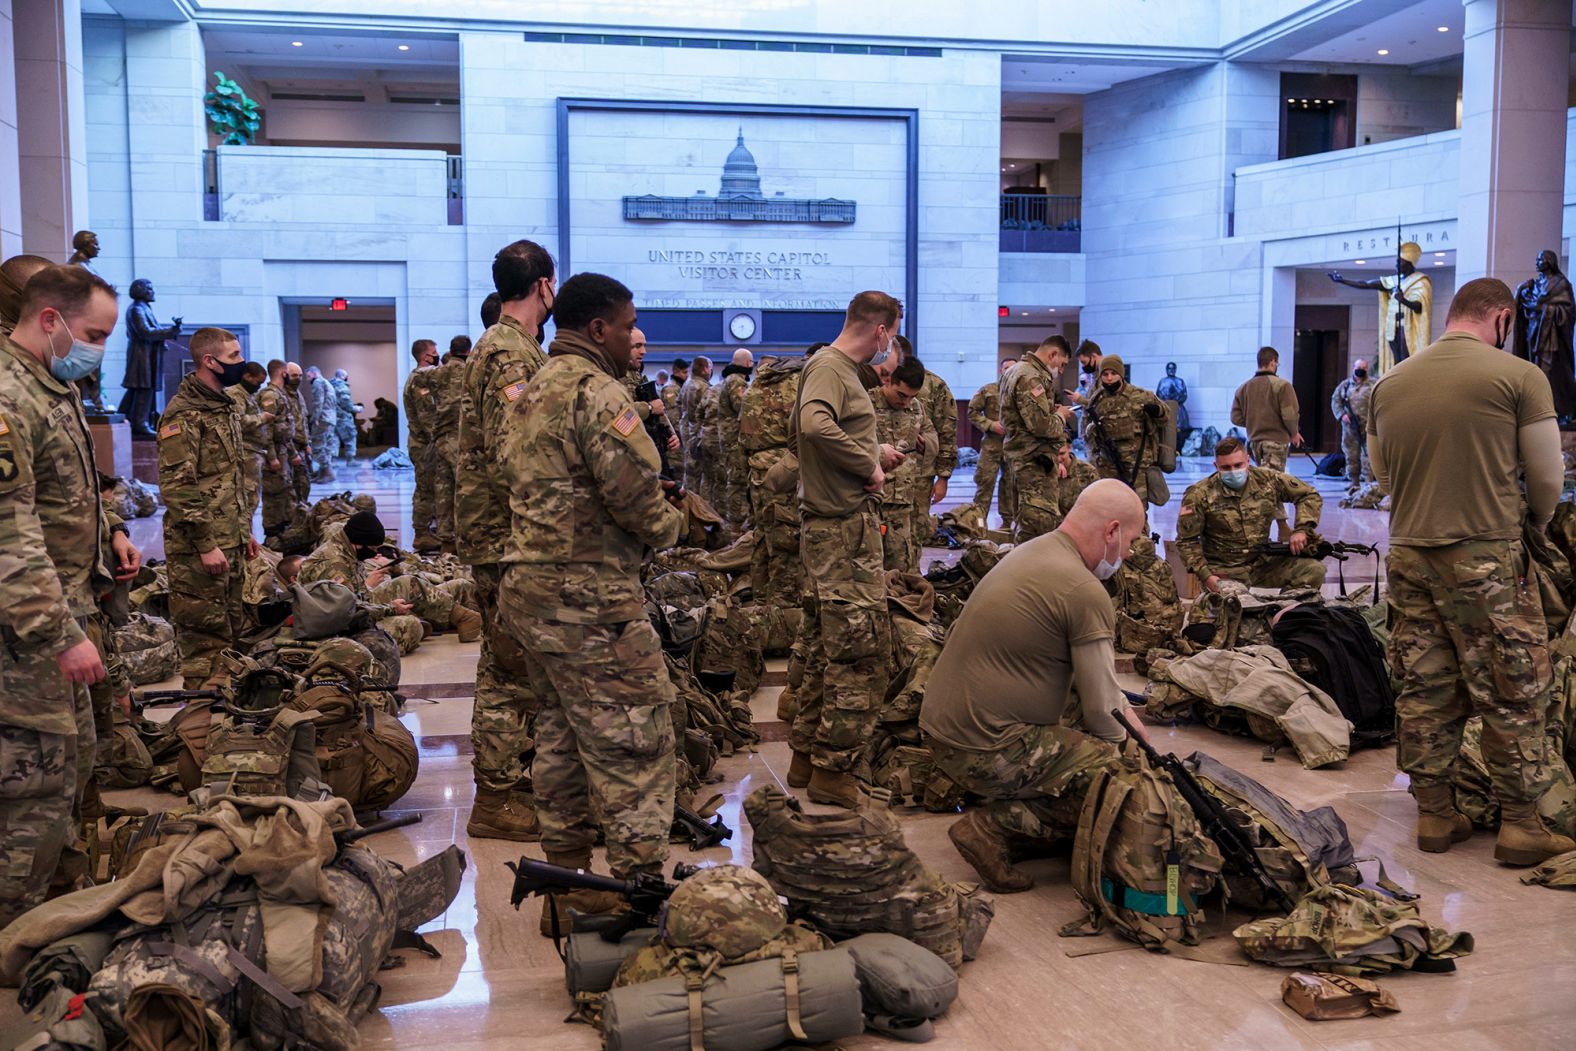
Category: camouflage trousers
[1355,449]
[922,527]
[776,573]
[345,430]
[301,478]
[846,638]
[738,476]
[207,613]
[443,496]
[1470,639]
[604,736]
[992,474]
[900,540]
[325,446]
[433,603]
[278,498]
[1270,454]
[1273,572]
[424,501]
[1034,784]
[46,760]
[405,629]
[505,706]
[102,696]
[1039,501]
[713,477]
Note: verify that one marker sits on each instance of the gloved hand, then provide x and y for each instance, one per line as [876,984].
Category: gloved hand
[1154,411]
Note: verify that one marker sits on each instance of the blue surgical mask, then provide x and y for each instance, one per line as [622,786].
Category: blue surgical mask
[83,359]
[1106,568]
[1234,479]
[881,355]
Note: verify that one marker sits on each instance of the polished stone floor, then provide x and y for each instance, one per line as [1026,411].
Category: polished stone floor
[500,986]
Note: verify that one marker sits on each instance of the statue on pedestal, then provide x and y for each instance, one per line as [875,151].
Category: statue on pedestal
[85,249]
[1406,303]
[1545,318]
[1174,388]
[144,358]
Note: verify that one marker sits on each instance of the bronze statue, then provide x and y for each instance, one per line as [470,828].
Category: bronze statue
[85,243]
[1545,318]
[1174,388]
[1406,303]
[144,358]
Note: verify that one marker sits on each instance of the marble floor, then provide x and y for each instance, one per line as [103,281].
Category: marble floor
[500,986]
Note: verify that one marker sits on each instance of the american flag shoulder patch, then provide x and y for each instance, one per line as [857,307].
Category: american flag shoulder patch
[512,391]
[1038,391]
[626,422]
[169,430]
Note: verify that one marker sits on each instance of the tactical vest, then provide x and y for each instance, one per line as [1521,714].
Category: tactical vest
[1148,609]
[367,756]
[766,421]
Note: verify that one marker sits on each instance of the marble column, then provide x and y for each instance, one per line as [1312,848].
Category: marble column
[52,150]
[10,166]
[1515,73]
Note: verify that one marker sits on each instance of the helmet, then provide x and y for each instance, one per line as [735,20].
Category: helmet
[728,909]
[1142,554]
[342,655]
[364,502]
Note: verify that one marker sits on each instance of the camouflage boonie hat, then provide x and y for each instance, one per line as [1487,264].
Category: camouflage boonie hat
[728,909]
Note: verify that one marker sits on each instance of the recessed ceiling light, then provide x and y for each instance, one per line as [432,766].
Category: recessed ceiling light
[295,43]
[1359,262]
[1052,310]
[1384,51]
[1291,100]
[1024,313]
[406,47]
[1444,29]
[1440,254]
[1439,262]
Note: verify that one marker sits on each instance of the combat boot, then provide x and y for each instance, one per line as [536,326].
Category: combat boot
[799,770]
[584,902]
[787,705]
[1439,823]
[833,788]
[426,543]
[467,623]
[983,845]
[500,814]
[1522,838]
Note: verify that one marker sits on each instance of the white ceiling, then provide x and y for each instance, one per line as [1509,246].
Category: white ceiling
[1411,36]
[1038,75]
[327,62]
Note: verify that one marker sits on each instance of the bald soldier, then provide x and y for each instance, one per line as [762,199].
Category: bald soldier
[1037,626]
[1225,519]
[52,535]
[207,517]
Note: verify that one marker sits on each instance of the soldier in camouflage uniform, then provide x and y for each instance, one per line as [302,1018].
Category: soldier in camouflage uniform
[280,457]
[448,389]
[710,454]
[670,397]
[936,399]
[300,438]
[1036,432]
[256,431]
[207,518]
[1122,428]
[764,426]
[51,530]
[692,399]
[323,414]
[1226,517]
[735,464]
[500,365]
[419,404]
[1349,405]
[985,415]
[1073,476]
[345,415]
[902,423]
[349,553]
[845,638]
[586,502]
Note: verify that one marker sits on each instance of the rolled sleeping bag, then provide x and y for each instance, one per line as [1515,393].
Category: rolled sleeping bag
[900,978]
[743,1008]
[590,962]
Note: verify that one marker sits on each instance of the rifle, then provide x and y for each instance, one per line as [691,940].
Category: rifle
[656,425]
[155,698]
[1097,426]
[1212,816]
[350,836]
[702,833]
[645,893]
[1322,549]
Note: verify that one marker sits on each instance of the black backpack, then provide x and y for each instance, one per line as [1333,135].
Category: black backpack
[1332,648]
[1332,465]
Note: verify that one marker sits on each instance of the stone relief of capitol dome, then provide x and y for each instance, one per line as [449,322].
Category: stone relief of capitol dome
[739,200]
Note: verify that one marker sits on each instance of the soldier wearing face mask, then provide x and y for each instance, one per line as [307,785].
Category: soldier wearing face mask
[1226,517]
[1349,404]
[256,430]
[1036,430]
[208,510]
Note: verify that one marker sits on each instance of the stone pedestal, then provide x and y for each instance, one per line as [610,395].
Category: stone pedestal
[111,445]
[144,461]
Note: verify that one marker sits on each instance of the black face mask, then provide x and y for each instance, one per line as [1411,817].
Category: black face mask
[1361,374]
[292,383]
[364,553]
[1111,388]
[251,388]
[1088,369]
[230,372]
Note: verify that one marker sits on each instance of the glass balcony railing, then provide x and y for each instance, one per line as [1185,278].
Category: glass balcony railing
[1037,222]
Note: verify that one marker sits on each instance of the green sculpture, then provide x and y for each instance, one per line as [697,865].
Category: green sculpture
[231,114]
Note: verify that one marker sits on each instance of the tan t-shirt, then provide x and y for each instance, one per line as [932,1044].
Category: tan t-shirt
[1446,421]
[838,449]
[1008,662]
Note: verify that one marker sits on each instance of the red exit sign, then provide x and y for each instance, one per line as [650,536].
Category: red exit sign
[339,304]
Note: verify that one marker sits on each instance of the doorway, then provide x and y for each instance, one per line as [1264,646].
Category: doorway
[1318,363]
[361,339]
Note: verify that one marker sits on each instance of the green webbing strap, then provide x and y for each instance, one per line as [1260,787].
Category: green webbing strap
[1142,901]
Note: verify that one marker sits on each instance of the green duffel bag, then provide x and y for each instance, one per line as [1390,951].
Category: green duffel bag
[901,979]
[747,1007]
[591,961]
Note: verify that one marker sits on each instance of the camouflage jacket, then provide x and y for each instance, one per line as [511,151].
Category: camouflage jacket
[501,363]
[730,404]
[632,380]
[281,433]
[766,417]
[52,526]
[420,405]
[334,558]
[691,396]
[300,420]
[257,436]
[1080,476]
[670,398]
[1124,424]
[583,492]
[448,389]
[1351,399]
[984,410]
[1219,527]
[324,407]
[344,403]
[1144,592]
[909,430]
[942,408]
[1028,410]
[201,453]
